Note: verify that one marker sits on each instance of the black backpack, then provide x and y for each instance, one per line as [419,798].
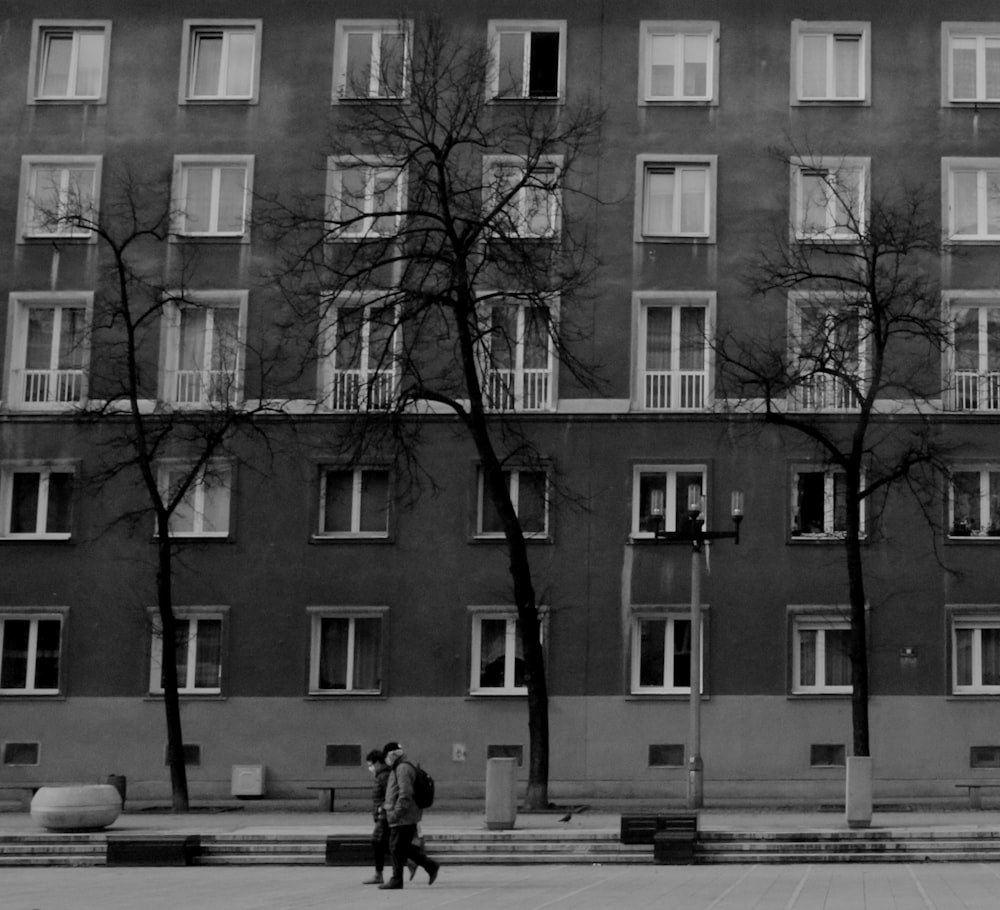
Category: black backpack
[423,786]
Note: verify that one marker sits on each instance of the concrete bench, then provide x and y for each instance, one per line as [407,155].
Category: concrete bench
[974,786]
[328,793]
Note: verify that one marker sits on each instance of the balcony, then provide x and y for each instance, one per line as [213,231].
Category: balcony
[361,390]
[518,390]
[674,390]
[205,388]
[822,392]
[50,387]
[975,391]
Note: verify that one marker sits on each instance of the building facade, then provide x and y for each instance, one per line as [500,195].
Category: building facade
[322,622]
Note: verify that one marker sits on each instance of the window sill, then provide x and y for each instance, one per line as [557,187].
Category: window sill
[834,102]
[541,539]
[38,538]
[11,695]
[322,694]
[210,239]
[188,696]
[972,241]
[973,696]
[209,102]
[706,239]
[33,240]
[679,102]
[664,696]
[326,539]
[478,694]
[818,696]
[820,539]
[64,102]
[975,539]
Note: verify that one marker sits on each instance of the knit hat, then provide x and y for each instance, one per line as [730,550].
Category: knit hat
[390,747]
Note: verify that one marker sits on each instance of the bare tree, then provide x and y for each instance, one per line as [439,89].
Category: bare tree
[168,394]
[442,269]
[854,367]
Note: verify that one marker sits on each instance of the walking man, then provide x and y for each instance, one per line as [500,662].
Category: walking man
[403,815]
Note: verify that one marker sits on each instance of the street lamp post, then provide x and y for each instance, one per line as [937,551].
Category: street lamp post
[697,536]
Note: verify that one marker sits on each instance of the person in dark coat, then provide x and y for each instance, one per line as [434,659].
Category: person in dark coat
[380,835]
[403,815]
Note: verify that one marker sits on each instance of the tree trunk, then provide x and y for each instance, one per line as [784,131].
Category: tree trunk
[171,699]
[859,619]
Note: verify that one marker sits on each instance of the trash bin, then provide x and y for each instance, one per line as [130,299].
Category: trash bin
[118,782]
[501,793]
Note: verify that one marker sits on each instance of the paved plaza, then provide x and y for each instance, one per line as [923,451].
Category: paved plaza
[938,886]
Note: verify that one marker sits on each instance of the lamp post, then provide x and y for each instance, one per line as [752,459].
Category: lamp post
[696,536]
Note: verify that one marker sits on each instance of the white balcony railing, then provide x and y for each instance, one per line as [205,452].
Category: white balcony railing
[518,390]
[205,387]
[52,386]
[975,391]
[361,390]
[820,392]
[677,390]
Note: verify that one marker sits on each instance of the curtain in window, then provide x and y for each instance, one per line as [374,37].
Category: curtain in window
[510,64]
[225,339]
[659,201]
[55,79]
[14,665]
[392,61]
[338,497]
[991,656]
[57,516]
[965,202]
[232,194]
[193,329]
[992,52]
[492,653]
[694,188]
[662,65]
[695,65]
[536,338]
[374,501]
[993,202]
[25,490]
[963,656]
[814,56]
[837,655]
[847,65]
[503,337]
[349,338]
[965,500]
[41,328]
[239,70]
[89,63]
[519,665]
[652,651]
[367,640]
[215,487]
[531,492]
[807,657]
[682,653]
[966,321]
[208,654]
[208,64]
[333,653]
[658,329]
[71,338]
[359,64]
[692,340]
[839,504]
[963,73]
[653,502]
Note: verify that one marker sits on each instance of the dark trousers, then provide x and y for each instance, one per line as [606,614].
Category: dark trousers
[402,848]
[380,843]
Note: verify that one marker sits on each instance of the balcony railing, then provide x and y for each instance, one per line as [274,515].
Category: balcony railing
[52,386]
[361,390]
[820,392]
[975,391]
[518,390]
[674,390]
[205,387]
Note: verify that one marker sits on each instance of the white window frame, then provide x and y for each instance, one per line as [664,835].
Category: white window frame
[518,210]
[647,165]
[978,389]
[361,225]
[44,470]
[671,472]
[193,31]
[830,170]
[513,487]
[519,388]
[984,470]
[497,27]
[982,168]
[509,615]
[42,32]
[179,194]
[357,479]
[679,30]
[34,615]
[29,227]
[56,388]
[191,617]
[832,31]
[316,616]
[823,392]
[829,503]
[673,389]
[197,389]
[979,33]
[218,474]
[974,619]
[671,614]
[819,621]
[376,28]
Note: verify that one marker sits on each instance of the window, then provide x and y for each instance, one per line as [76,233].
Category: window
[675,198]
[354,502]
[346,650]
[69,61]
[674,335]
[830,198]
[972,199]
[358,370]
[974,352]
[371,59]
[678,62]
[976,653]
[528,59]
[529,495]
[660,497]
[821,662]
[661,654]
[203,509]
[819,503]
[497,652]
[59,196]
[198,645]
[830,61]
[366,198]
[522,202]
[971,68]
[221,60]
[50,350]
[211,196]
[829,350]
[30,652]
[37,501]
[202,354]
[974,501]
[517,356]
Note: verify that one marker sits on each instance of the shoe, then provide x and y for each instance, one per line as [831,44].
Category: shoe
[412,866]
[432,873]
[392,885]
[376,879]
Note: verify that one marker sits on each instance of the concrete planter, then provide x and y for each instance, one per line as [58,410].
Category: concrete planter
[858,799]
[76,807]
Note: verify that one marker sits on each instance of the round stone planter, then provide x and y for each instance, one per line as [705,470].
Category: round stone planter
[76,807]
